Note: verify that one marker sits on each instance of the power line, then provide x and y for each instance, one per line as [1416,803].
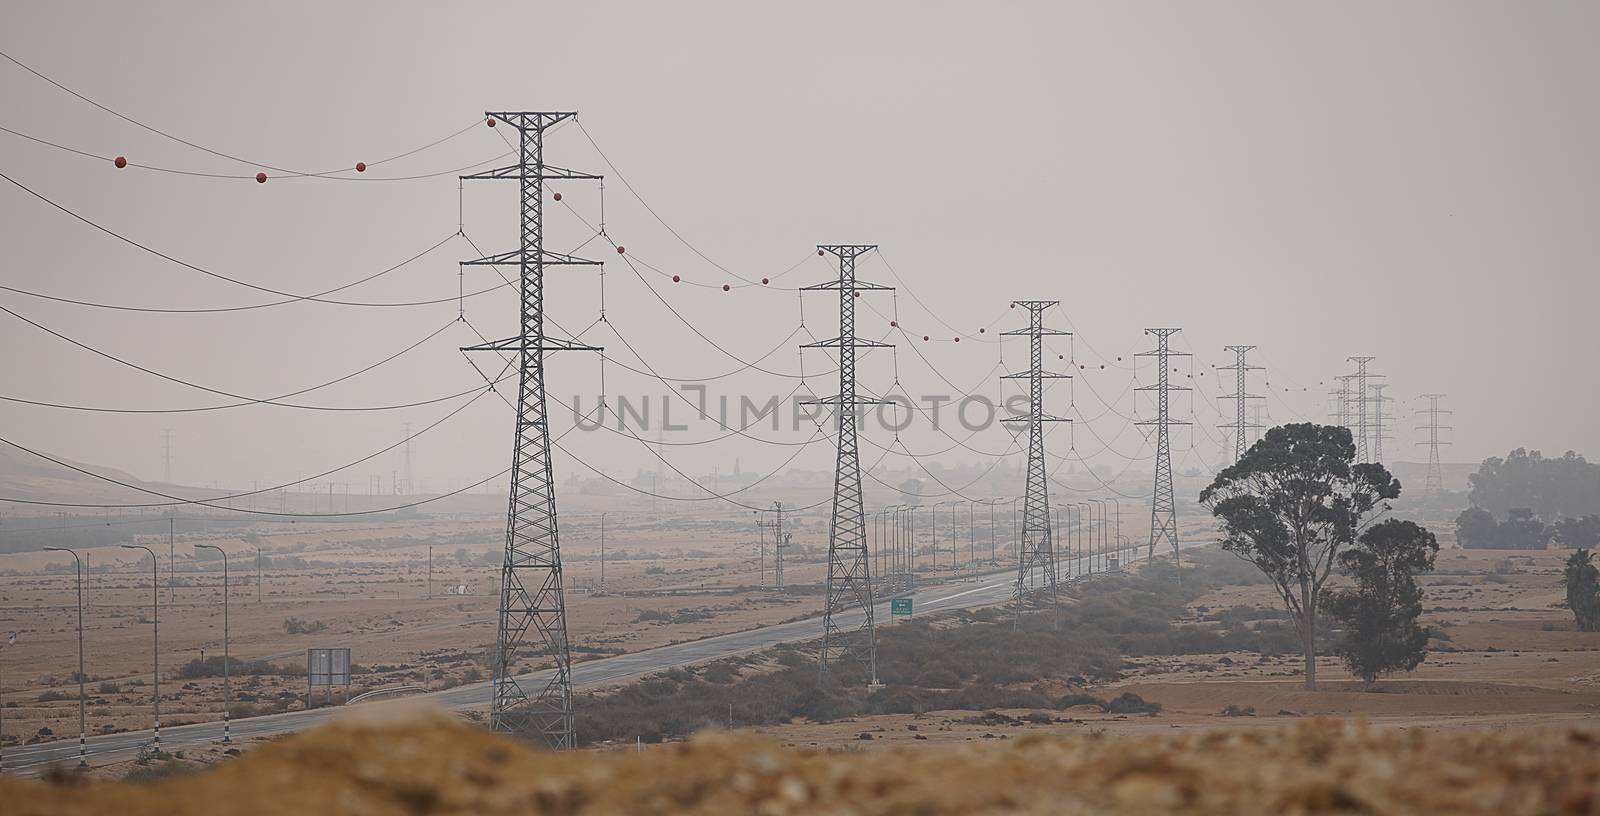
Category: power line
[219,309]
[218,153]
[292,297]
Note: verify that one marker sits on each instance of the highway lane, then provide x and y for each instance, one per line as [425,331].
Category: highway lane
[982,590]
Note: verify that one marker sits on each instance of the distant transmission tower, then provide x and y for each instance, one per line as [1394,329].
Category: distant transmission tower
[166,446]
[849,577]
[1363,427]
[1435,479]
[1037,551]
[1163,504]
[531,595]
[411,486]
[780,541]
[1341,401]
[1240,368]
[1378,399]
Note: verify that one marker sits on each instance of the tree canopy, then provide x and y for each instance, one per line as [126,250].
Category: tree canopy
[1291,505]
[1583,590]
[1553,489]
[1378,616]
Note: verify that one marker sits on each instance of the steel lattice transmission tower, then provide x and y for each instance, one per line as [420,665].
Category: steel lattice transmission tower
[1239,426]
[1435,479]
[531,596]
[1341,401]
[1378,399]
[166,447]
[1163,504]
[1363,450]
[849,576]
[1037,550]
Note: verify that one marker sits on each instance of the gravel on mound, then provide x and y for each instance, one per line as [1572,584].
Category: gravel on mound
[403,759]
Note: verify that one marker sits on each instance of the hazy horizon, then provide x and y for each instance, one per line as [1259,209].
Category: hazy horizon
[1413,182]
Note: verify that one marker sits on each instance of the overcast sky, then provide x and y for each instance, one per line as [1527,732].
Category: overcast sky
[1415,181]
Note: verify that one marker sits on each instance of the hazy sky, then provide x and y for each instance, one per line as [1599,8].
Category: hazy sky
[1415,181]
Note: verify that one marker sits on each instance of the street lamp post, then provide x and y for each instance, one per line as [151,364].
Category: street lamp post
[11,640]
[227,680]
[83,717]
[935,511]
[1086,520]
[972,538]
[603,550]
[258,575]
[1118,505]
[155,622]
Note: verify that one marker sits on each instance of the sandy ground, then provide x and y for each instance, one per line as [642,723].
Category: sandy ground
[679,574]
[384,760]
[1512,662]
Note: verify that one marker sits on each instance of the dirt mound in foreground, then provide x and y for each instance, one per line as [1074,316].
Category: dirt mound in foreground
[389,760]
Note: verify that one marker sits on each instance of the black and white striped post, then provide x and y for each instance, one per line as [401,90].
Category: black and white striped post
[227,668]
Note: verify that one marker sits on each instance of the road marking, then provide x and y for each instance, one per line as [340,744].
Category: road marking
[960,594]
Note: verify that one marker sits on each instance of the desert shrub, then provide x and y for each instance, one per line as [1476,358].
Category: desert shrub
[53,696]
[1232,710]
[1130,703]
[213,667]
[295,626]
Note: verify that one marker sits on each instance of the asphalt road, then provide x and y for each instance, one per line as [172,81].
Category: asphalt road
[984,590]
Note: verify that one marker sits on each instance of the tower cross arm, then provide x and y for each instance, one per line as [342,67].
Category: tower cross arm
[545,257]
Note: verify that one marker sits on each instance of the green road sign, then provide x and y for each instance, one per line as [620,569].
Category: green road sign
[900,606]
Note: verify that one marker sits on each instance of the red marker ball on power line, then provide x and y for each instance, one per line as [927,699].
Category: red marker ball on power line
[490,121]
[764,281]
[261,178]
[726,287]
[980,331]
[894,324]
[621,249]
[819,252]
[855,294]
[924,337]
[121,162]
[675,279]
[361,167]
[958,339]
[557,196]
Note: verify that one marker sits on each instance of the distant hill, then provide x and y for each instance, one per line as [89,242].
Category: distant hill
[24,476]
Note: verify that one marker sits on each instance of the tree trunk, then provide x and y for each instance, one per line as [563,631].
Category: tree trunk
[1308,633]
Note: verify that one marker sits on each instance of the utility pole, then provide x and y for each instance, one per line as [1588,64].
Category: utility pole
[531,592]
[1036,549]
[1163,504]
[1240,368]
[1435,480]
[849,574]
[779,539]
[1363,450]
